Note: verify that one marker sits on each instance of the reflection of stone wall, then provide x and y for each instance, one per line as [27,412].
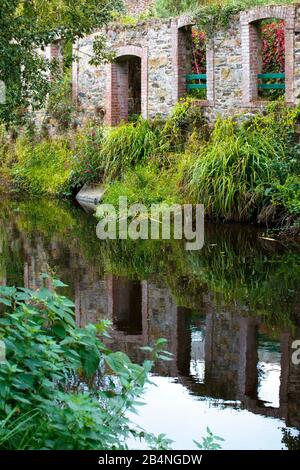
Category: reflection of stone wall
[230,340]
[90,299]
[222,354]
[294,396]
[290,379]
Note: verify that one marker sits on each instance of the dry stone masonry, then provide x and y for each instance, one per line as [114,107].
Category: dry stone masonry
[153,58]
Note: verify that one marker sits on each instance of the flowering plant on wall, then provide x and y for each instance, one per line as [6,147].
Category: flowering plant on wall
[199,52]
[273,47]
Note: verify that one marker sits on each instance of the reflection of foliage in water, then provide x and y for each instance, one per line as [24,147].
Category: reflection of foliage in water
[10,261]
[248,273]
[3,252]
[47,217]
[291,442]
[262,282]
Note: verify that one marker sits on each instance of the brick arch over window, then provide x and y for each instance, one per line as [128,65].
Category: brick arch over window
[181,34]
[250,41]
[117,85]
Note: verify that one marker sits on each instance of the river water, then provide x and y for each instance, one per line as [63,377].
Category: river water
[230,314]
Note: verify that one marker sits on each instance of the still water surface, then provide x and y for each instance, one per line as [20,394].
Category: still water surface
[229,312]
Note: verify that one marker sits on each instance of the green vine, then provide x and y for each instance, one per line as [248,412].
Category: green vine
[214,15]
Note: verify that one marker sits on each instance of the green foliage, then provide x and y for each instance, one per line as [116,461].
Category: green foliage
[29,26]
[128,145]
[183,121]
[288,194]
[238,163]
[42,167]
[210,442]
[88,164]
[47,356]
[211,15]
[143,185]
[167,8]
[216,14]
[60,104]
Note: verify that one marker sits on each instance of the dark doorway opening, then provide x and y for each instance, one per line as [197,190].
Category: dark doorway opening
[127,310]
[134,87]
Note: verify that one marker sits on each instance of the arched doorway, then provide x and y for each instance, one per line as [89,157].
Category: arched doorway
[127,86]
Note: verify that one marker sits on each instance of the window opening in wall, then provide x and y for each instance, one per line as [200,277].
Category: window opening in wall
[197,79]
[270,58]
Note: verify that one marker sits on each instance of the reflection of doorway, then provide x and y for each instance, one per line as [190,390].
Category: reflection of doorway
[127,306]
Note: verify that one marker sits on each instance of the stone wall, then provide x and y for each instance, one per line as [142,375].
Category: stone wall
[163,47]
[95,88]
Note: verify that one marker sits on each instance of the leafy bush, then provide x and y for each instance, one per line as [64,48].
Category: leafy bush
[4,153]
[182,122]
[42,167]
[288,194]
[59,382]
[144,185]
[166,8]
[60,104]
[88,164]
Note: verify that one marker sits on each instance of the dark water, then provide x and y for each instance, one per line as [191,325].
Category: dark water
[229,312]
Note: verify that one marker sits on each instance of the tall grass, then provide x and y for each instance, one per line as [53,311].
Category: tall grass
[126,146]
[42,167]
[234,168]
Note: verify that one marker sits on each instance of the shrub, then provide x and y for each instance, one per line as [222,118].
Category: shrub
[60,104]
[42,167]
[4,153]
[88,165]
[288,194]
[144,185]
[185,119]
[60,383]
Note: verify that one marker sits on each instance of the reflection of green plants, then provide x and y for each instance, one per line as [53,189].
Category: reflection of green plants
[235,265]
[210,442]
[291,442]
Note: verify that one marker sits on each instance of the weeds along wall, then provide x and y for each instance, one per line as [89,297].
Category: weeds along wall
[161,50]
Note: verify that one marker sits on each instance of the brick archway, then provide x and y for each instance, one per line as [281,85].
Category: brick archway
[250,42]
[118,85]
